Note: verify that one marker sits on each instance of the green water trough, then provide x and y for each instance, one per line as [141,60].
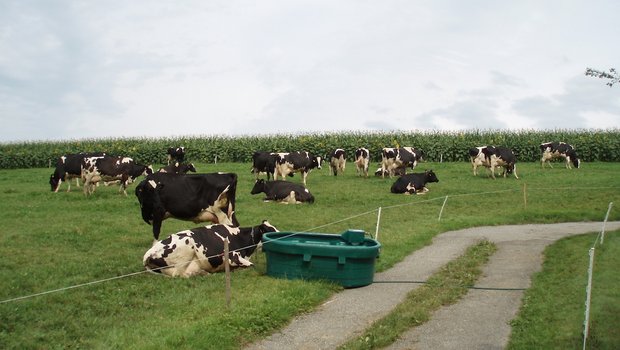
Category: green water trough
[347,259]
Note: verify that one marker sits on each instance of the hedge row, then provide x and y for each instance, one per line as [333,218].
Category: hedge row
[591,145]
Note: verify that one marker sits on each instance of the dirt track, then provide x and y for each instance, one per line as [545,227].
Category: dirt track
[480,320]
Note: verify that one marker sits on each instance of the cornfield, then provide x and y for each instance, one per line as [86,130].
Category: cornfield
[591,145]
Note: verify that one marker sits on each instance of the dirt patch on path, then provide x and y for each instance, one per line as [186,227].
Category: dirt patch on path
[480,320]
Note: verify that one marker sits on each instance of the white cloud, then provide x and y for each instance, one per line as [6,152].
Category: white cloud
[144,68]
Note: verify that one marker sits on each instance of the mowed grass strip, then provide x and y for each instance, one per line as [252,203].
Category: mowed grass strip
[444,287]
[51,241]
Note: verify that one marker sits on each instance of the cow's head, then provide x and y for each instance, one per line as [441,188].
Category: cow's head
[191,167]
[147,192]
[572,155]
[316,162]
[260,230]
[55,181]
[430,176]
[259,186]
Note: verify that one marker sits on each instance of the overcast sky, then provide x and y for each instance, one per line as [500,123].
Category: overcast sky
[91,69]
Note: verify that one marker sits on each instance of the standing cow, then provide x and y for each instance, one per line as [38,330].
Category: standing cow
[191,197]
[552,150]
[414,183]
[337,161]
[175,154]
[477,158]
[303,162]
[200,251]
[395,158]
[111,169]
[362,159]
[501,157]
[264,162]
[69,166]
[283,191]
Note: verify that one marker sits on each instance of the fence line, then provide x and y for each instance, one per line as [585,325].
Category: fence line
[283,237]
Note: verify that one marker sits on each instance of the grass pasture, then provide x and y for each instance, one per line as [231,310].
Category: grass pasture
[54,241]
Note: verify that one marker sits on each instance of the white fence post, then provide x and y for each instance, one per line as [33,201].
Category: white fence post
[378,221]
[586,322]
[441,211]
[605,221]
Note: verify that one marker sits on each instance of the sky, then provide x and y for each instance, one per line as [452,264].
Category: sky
[151,68]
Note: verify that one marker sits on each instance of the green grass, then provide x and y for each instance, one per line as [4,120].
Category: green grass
[51,241]
[443,288]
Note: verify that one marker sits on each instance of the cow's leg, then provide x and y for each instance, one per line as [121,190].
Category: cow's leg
[304,175]
[514,171]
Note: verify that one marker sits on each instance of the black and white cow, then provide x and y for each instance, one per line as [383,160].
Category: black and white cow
[283,191]
[414,183]
[178,168]
[191,197]
[477,158]
[394,158]
[501,157]
[111,169]
[69,166]
[552,150]
[175,154]
[264,162]
[303,162]
[200,251]
[362,160]
[337,161]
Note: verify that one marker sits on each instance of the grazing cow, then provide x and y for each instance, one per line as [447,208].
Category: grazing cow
[264,162]
[337,161]
[477,158]
[397,172]
[414,183]
[176,154]
[362,159]
[283,191]
[200,251]
[111,169]
[394,158]
[178,168]
[552,150]
[69,166]
[191,197]
[501,157]
[303,162]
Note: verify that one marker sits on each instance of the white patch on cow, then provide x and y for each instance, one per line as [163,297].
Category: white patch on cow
[153,183]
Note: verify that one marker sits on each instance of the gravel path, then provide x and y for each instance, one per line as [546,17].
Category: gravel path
[480,320]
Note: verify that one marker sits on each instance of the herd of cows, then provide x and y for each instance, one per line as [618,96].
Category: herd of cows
[177,191]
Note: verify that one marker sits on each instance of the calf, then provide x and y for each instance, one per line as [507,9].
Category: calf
[414,183]
[552,150]
[111,169]
[303,162]
[337,161]
[177,168]
[175,154]
[192,197]
[501,157]
[283,191]
[200,251]
[362,158]
[264,162]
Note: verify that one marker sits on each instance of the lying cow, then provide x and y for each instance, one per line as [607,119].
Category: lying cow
[191,197]
[200,251]
[111,169]
[178,168]
[501,157]
[553,150]
[337,161]
[414,183]
[362,159]
[283,191]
